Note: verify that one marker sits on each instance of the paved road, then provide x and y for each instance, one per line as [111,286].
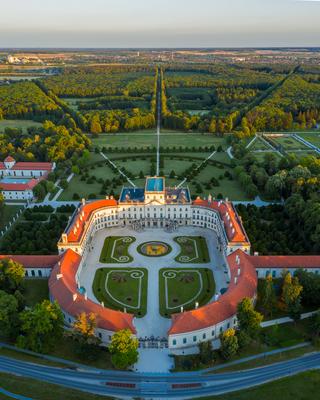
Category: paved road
[159,386]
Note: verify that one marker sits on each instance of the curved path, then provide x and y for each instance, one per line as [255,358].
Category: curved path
[188,385]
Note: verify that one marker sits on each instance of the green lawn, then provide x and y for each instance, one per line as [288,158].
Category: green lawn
[141,140]
[191,139]
[18,123]
[193,249]
[84,189]
[258,144]
[36,290]
[148,138]
[121,289]
[116,249]
[228,188]
[8,214]
[184,287]
[289,143]
[313,138]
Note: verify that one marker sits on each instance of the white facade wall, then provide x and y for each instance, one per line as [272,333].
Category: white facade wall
[40,272]
[188,339]
[17,194]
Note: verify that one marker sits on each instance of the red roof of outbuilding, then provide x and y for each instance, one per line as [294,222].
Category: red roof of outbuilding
[19,186]
[226,306]
[87,209]
[30,166]
[29,261]
[225,209]
[9,159]
[65,288]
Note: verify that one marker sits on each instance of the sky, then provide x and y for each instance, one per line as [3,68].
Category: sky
[161,23]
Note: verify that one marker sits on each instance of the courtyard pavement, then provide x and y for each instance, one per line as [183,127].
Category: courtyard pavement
[153,324]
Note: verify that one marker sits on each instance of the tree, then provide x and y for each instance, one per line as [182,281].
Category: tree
[249,320]
[95,127]
[63,184]
[41,327]
[83,334]
[268,295]
[11,275]
[39,191]
[291,290]
[294,309]
[8,314]
[229,344]
[206,352]
[124,349]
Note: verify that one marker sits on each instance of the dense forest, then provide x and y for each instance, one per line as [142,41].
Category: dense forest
[108,99]
[25,100]
[48,143]
[294,105]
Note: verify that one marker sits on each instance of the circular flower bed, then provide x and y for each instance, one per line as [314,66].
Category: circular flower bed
[154,249]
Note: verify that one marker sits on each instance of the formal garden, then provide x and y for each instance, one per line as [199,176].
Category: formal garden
[122,289]
[193,249]
[116,249]
[184,288]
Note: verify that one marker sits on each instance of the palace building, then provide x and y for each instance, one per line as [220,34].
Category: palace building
[156,206]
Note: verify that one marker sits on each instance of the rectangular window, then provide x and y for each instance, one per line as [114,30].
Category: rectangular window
[184,340]
[194,338]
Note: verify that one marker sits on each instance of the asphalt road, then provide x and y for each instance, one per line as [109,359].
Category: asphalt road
[158,386]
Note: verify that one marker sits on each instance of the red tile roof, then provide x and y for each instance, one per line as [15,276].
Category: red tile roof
[65,288]
[30,166]
[226,306]
[19,186]
[87,209]
[285,261]
[35,166]
[9,159]
[33,261]
[224,209]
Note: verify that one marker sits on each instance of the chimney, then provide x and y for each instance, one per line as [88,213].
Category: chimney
[64,238]
[239,270]
[59,276]
[235,280]
[74,297]
[83,201]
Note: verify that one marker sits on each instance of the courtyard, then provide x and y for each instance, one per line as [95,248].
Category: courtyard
[153,286]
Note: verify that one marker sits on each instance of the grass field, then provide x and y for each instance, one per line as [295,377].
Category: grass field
[148,138]
[258,144]
[184,287]
[8,214]
[289,143]
[36,290]
[116,249]
[313,138]
[121,289]
[17,123]
[228,188]
[193,249]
